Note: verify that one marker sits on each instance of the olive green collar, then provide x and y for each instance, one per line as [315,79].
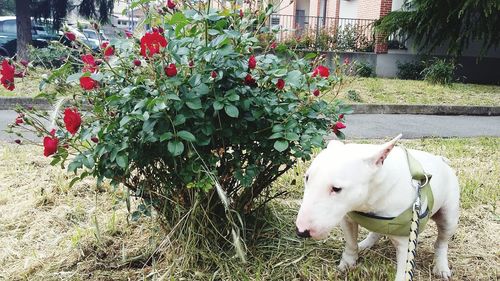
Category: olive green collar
[400,225]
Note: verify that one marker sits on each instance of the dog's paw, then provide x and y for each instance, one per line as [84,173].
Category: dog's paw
[444,273]
[346,263]
[365,245]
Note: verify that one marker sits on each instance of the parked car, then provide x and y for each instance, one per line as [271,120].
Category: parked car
[90,37]
[41,35]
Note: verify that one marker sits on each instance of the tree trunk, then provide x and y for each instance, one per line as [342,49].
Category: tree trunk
[23,22]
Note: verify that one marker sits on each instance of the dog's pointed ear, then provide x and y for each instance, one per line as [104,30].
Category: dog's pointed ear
[334,144]
[381,155]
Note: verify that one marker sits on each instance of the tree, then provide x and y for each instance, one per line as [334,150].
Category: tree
[7,8]
[454,24]
[56,10]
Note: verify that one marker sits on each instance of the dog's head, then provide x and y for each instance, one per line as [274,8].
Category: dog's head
[336,183]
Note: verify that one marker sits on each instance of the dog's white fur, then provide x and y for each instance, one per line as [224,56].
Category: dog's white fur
[375,179]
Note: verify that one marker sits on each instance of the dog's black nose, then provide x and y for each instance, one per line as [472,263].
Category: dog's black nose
[303,234]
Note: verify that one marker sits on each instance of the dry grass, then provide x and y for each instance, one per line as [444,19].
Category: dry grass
[396,91]
[25,87]
[49,232]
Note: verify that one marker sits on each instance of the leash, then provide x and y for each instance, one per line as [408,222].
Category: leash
[415,167]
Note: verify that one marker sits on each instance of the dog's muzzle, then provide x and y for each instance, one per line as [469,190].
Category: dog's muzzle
[303,234]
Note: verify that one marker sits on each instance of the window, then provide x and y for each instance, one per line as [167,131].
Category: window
[9,26]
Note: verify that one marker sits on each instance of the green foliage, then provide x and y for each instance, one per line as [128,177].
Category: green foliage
[53,56]
[345,38]
[440,71]
[410,70]
[364,69]
[173,140]
[354,96]
[454,24]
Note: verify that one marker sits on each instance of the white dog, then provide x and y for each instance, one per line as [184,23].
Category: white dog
[375,180]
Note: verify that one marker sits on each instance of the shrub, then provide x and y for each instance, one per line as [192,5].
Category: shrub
[194,116]
[354,96]
[52,56]
[440,71]
[410,70]
[364,69]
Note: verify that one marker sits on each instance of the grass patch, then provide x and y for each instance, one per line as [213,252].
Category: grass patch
[26,87]
[51,232]
[396,91]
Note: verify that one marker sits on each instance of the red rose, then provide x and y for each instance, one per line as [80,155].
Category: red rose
[151,43]
[252,63]
[137,62]
[213,74]
[322,71]
[18,141]
[25,63]
[72,120]
[280,84]
[19,120]
[70,35]
[249,80]
[88,83]
[19,74]
[191,63]
[316,93]
[50,145]
[273,45]
[89,63]
[346,60]
[128,33]
[171,70]
[108,50]
[171,4]
[8,73]
[94,139]
[337,126]
[341,116]
[241,13]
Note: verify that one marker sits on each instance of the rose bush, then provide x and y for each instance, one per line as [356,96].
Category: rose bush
[194,103]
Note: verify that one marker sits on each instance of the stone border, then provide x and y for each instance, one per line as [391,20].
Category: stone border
[11,103]
[426,109]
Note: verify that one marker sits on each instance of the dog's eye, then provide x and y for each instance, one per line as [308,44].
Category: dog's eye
[336,189]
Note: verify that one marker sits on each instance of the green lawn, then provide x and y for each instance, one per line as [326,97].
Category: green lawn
[396,91]
[52,232]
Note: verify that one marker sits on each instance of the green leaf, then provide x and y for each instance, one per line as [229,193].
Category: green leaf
[310,56]
[187,136]
[166,136]
[175,147]
[291,136]
[231,110]
[194,104]
[218,105]
[74,77]
[277,135]
[281,145]
[179,119]
[73,166]
[122,160]
[172,97]
[202,89]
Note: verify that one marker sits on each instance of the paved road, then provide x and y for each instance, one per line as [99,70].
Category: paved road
[382,126]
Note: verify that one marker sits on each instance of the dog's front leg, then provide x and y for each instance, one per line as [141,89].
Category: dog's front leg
[401,244]
[350,254]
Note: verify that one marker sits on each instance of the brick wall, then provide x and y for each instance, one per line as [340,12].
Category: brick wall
[380,38]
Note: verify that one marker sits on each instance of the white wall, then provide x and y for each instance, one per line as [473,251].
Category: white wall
[348,8]
[397,4]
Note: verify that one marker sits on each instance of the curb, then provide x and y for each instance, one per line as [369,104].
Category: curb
[425,109]
[12,103]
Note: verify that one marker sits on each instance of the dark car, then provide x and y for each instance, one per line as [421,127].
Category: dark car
[41,35]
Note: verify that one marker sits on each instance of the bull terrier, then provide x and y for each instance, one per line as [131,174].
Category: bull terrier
[376,180]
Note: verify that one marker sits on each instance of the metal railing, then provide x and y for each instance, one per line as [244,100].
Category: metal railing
[324,33]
